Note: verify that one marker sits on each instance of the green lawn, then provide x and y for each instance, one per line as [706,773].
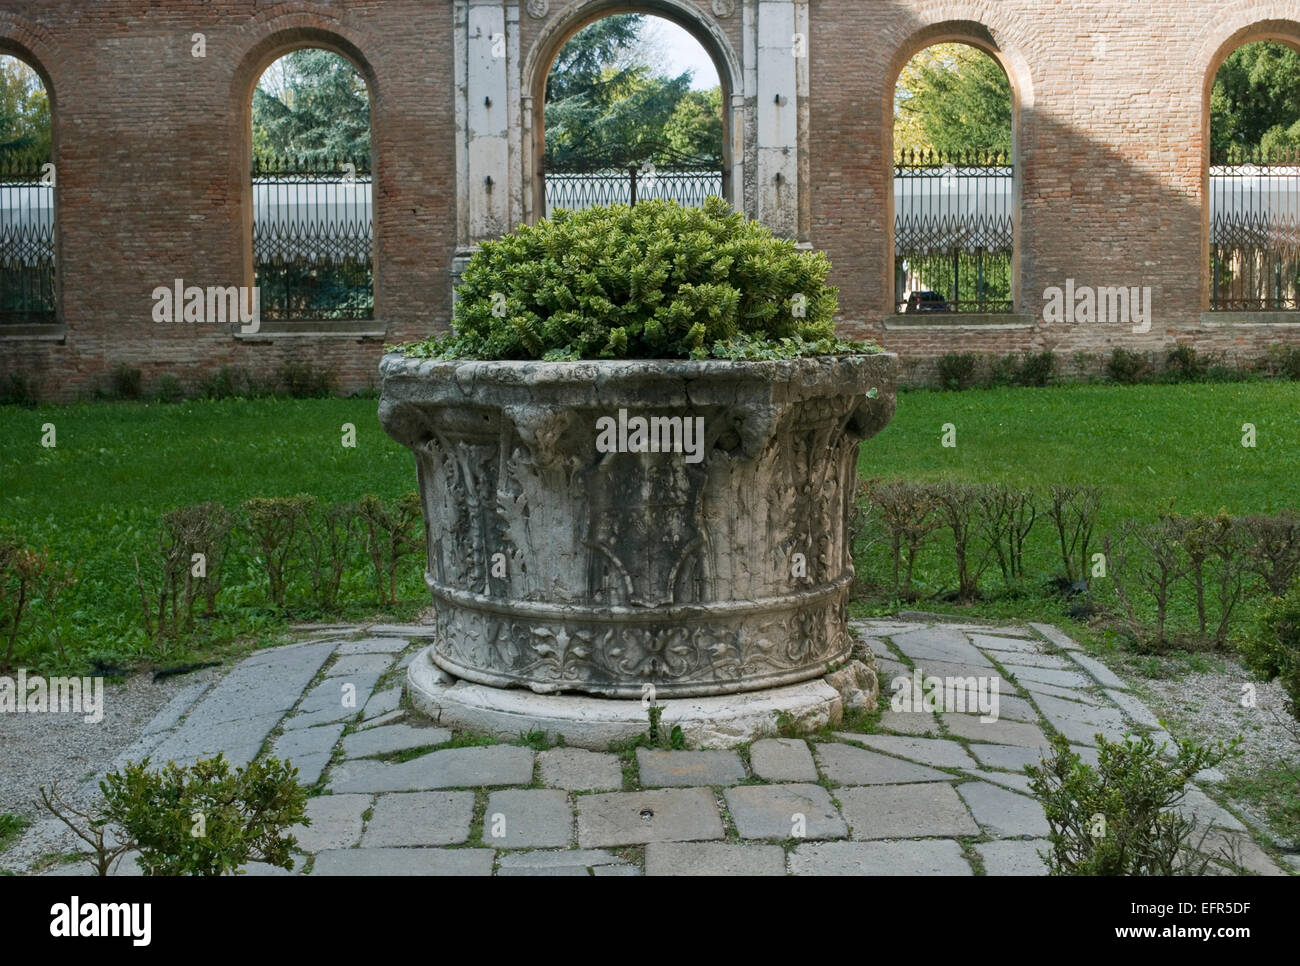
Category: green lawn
[1147,449]
[96,497]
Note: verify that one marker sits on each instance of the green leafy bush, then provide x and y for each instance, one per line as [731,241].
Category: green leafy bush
[203,820]
[1126,366]
[957,370]
[1119,818]
[1273,649]
[651,281]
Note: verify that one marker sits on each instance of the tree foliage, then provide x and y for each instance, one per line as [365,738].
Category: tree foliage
[652,281]
[607,106]
[953,98]
[24,111]
[1255,100]
[311,104]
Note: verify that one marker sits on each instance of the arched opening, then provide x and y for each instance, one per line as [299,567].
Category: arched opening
[28,281]
[954,191]
[311,178]
[1254,179]
[630,102]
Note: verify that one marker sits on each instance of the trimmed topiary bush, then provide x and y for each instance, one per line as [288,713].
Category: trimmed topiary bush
[652,281]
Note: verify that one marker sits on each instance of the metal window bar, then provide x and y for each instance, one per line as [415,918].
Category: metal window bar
[953,232]
[577,190]
[1255,231]
[313,252]
[26,242]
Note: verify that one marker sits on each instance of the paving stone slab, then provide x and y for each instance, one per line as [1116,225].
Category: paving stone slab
[847,765]
[782,760]
[1014,857]
[579,770]
[419,818]
[336,822]
[929,751]
[1015,758]
[1037,689]
[402,630]
[365,862]
[1206,811]
[527,818]
[943,857]
[884,628]
[905,811]
[1016,781]
[373,645]
[1134,708]
[1005,648]
[1080,722]
[1008,630]
[909,722]
[636,818]
[582,862]
[1057,636]
[270,682]
[784,811]
[688,769]
[1002,813]
[985,676]
[176,708]
[994,732]
[1026,674]
[1034,659]
[311,768]
[713,858]
[393,717]
[307,741]
[1103,675]
[887,668]
[452,768]
[382,703]
[1010,707]
[360,664]
[239,740]
[1241,850]
[391,739]
[334,699]
[939,644]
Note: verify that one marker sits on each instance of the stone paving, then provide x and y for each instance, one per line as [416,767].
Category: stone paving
[924,794]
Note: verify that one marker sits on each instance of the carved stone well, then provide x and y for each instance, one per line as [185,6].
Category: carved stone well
[596,527]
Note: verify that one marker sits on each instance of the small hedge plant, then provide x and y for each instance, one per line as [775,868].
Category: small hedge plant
[652,281]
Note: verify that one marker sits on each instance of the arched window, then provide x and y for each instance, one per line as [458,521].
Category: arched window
[1255,180]
[954,224]
[633,109]
[27,186]
[312,207]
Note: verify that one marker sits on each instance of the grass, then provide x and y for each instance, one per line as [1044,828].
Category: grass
[96,499]
[11,826]
[1149,449]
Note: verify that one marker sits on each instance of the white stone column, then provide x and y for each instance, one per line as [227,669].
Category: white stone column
[487,121]
[780,47]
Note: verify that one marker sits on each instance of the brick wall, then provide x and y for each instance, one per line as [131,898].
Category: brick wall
[151,145]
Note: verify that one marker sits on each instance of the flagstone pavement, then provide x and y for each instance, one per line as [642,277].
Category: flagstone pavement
[923,794]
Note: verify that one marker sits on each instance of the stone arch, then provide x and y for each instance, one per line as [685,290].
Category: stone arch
[1015,66]
[23,42]
[1221,43]
[536,67]
[277,38]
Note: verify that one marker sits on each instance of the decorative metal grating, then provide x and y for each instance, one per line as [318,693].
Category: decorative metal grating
[26,242]
[953,232]
[1255,231]
[576,189]
[313,251]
